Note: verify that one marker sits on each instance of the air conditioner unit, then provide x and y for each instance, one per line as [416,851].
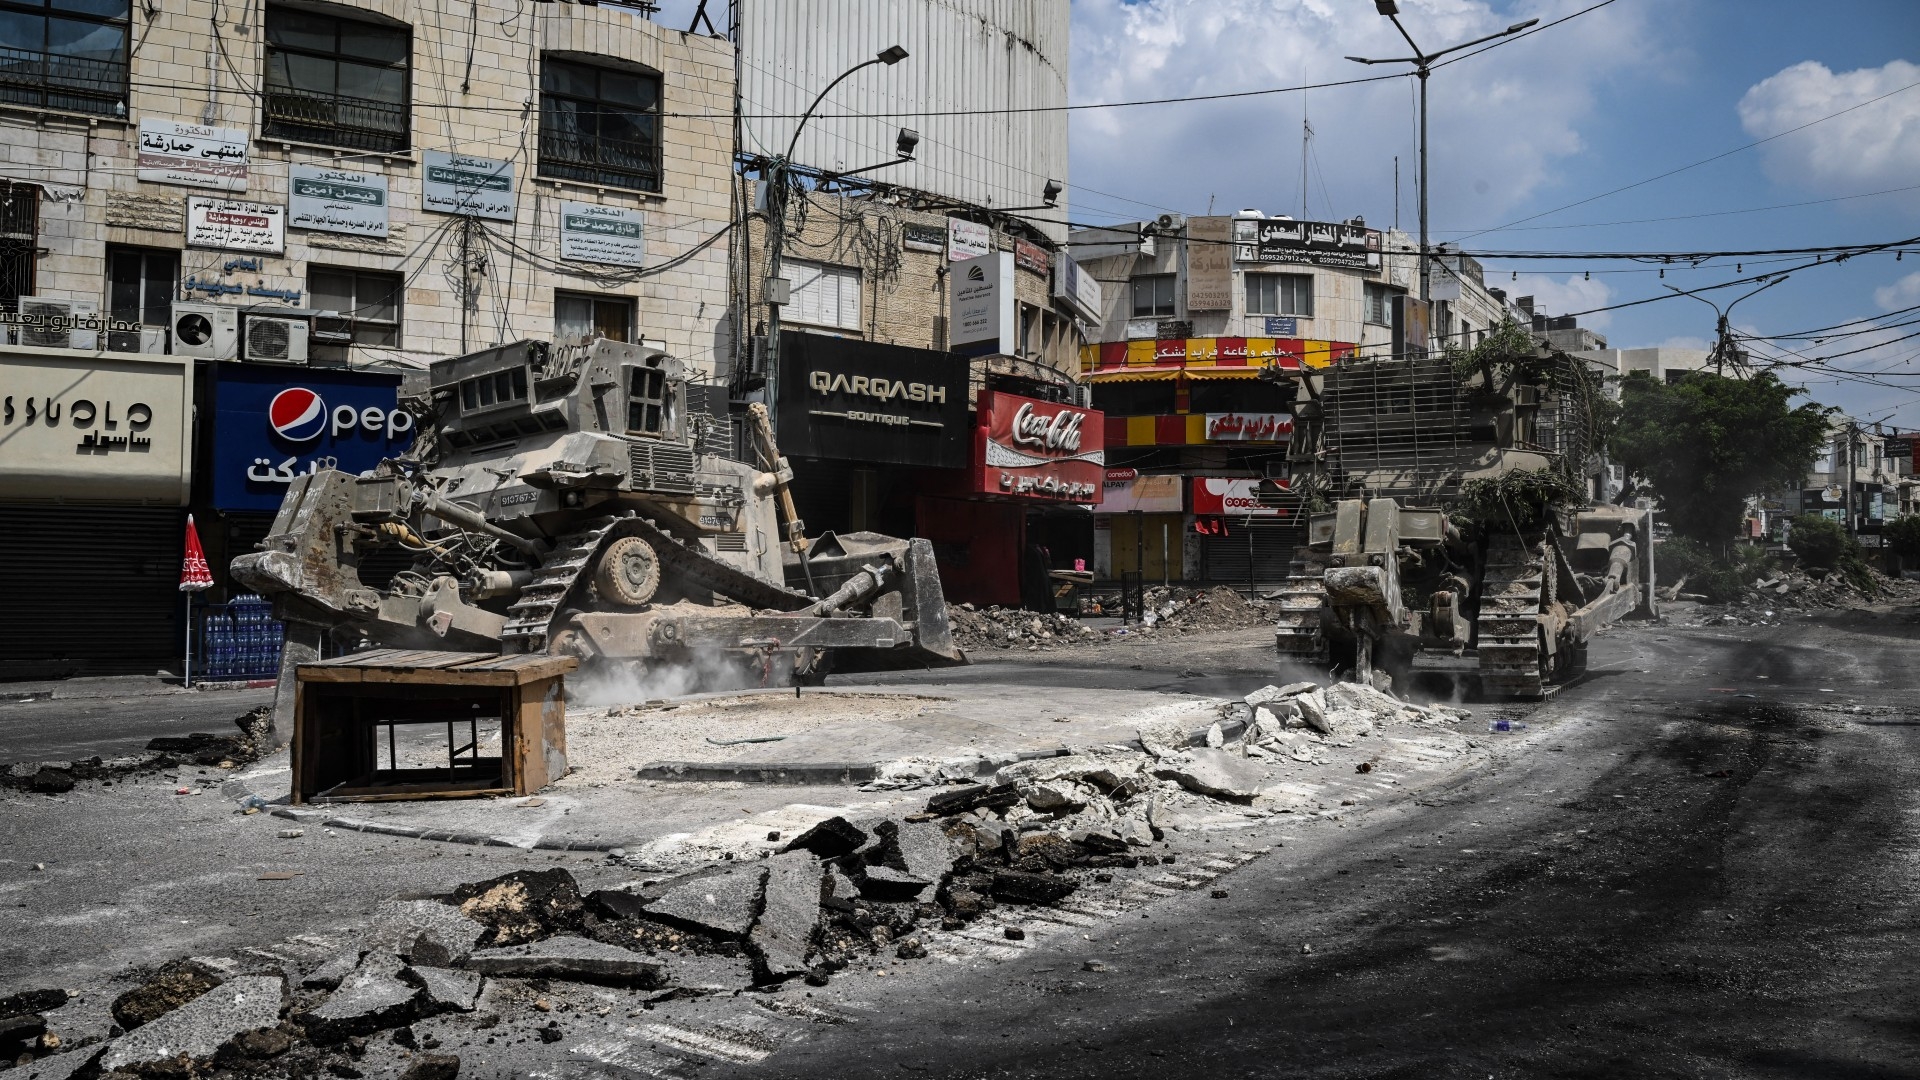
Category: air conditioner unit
[153,339]
[276,339]
[47,323]
[208,331]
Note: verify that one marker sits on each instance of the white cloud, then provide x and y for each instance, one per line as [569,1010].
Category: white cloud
[1503,125]
[1872,148]
[1683,341]
[1561,296]
[1904,293]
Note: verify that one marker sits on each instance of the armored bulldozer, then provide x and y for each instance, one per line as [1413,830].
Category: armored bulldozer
[1451,522]
[569,498]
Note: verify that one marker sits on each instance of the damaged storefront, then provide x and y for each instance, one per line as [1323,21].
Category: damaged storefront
[95,467]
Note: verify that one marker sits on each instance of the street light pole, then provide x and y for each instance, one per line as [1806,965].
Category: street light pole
[777,175]
[1422,67]
[1723,347]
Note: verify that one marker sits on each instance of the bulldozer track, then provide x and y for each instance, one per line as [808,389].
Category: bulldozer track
[562,575]
[1297,632]
[1517,586]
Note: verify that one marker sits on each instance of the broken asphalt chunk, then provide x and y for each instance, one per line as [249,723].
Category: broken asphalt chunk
[524,905]
[432,1067]
[830,839]
[972,797]
[789,918]
[329,974]
[424,932]
[1214,772]
[572,958]
[174,985]
[722,903]
[373,997]
[444,989]
[1016,887]
[189,1037]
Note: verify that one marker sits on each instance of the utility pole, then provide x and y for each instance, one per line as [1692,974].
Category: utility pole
[1853,434]
[1422,67]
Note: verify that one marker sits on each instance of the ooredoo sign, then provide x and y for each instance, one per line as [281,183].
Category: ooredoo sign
[1026,448]
[1237,496]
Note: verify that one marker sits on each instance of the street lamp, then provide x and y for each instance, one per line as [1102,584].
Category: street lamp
[775,288]
[1423,66]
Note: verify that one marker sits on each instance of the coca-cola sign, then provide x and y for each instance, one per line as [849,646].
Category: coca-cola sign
[1032,449]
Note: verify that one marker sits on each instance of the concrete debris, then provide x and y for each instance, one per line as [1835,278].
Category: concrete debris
[172,986]
[1214,772]
[789,918]
[886,884]
[432,1067]
[1215,737]
[573,958]
[32,1001]
[722,903]
[1019,887]
[975,796]
[191,1035]
[1169,610]
[444,989]
[1164,739]
[372,998]
[424,932]
[523,906]
[830,839]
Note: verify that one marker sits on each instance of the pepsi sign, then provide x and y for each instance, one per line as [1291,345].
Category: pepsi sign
[271,425]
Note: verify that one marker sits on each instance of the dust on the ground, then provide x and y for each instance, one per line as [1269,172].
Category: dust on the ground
[605,744]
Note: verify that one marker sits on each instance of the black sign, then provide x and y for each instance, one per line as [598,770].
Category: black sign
[1306,243]
[863,401]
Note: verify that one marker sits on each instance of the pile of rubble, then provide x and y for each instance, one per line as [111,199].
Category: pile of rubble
[1166,610]
[1769,598]
[166,752]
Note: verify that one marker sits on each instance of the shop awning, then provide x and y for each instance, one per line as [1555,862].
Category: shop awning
[1149,374]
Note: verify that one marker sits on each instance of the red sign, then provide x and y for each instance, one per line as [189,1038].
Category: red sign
[1031,257]
[1031,449]
[1237,496]
[1121,476]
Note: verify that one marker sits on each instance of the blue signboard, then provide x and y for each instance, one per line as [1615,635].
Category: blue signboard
[271,424]
[1283,326]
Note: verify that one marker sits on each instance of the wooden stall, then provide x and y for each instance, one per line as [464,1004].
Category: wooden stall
[352,713]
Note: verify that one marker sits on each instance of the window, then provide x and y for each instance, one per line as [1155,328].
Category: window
[367,300]
[1379,304]
[19,233]
[335,81]
[64,54]
[1153,297]
[823,295]
[579,318]
[1280,294]
[140,288]
[647,406]
[599,125]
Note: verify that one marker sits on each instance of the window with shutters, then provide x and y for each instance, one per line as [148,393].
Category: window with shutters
[600,123]
[822,295]
[1153,296]
[1379,304]
[368,301]
[581,318]
[140,286]
[1280,294]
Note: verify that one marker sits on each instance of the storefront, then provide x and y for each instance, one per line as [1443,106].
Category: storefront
[95,467]
[861,422]
[1141,526]
[1024,508]
[1247,529]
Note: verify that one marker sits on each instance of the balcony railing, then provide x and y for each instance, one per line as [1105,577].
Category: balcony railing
[334,119]
[68,83]
[594,160]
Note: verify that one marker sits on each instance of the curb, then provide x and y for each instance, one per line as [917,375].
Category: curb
[240,793]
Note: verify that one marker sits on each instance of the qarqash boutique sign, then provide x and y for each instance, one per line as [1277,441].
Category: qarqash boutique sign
[851,400]
[190,155]
[602,234]
[94,428]
[230,225]
[467,185]
[337,201]
[1043,450]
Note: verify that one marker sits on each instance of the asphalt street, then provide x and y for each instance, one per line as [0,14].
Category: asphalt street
[1699,863]
[110,717]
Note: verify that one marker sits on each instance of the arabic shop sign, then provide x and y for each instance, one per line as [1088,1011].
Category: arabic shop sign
[337,201]
[273,425]
[1306,243]
[94,428]
[1249,427]
[231,225]
[1033,449]
[468,185]
[1231,496]
[53,322]
[602,234]
[193,156]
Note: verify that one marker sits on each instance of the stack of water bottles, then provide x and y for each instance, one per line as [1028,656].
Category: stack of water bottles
[240,640]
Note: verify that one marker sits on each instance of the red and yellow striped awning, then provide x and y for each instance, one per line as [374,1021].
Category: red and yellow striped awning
[1190,355]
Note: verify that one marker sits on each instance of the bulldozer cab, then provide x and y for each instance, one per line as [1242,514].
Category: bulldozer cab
[530,387]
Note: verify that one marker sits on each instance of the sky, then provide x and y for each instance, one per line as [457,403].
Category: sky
[1640,126]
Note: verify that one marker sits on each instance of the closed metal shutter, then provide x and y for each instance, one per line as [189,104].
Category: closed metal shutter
[1256,550]
[91,590]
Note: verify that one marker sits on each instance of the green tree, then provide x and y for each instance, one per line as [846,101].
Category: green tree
[1706,443]
[1903,536]
[1820,542]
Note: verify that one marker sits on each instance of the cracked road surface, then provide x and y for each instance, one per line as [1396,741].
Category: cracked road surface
[1695,864]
